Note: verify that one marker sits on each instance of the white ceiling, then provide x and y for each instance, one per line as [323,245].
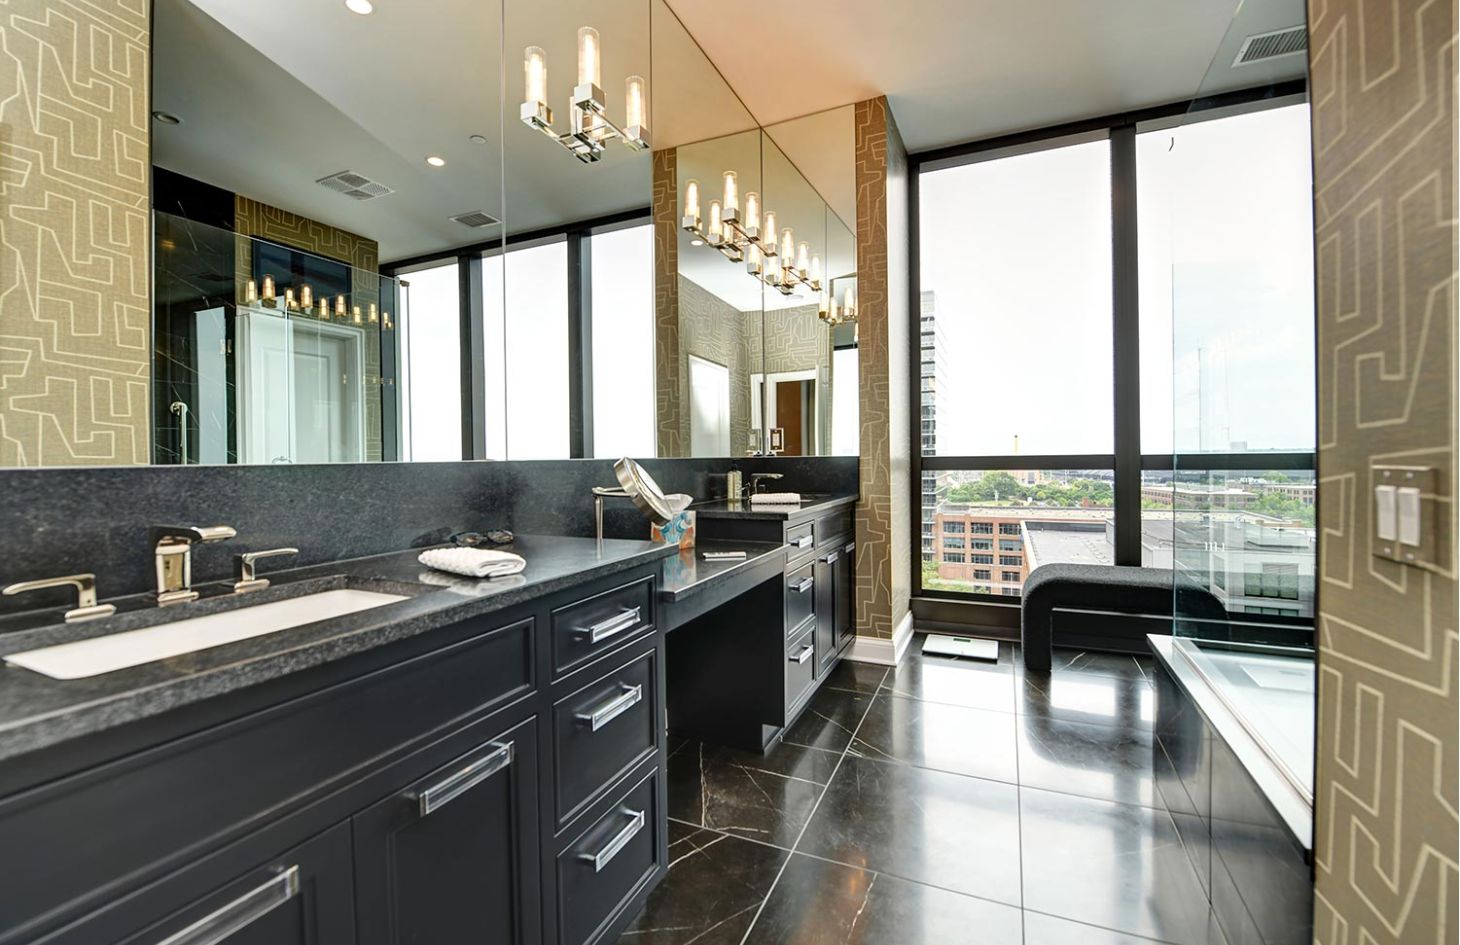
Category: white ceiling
[961,70]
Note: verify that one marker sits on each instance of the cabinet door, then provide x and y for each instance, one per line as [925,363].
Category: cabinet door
[453,857]
[844,583]
[304,897]
[826,562]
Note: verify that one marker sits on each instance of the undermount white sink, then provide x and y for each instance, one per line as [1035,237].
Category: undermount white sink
[105,654]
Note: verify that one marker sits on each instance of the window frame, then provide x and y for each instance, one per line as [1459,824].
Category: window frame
[468,258]
[1127,462]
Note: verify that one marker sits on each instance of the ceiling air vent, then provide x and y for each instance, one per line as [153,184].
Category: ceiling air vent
[1264,46]
[476,218]
[354,185]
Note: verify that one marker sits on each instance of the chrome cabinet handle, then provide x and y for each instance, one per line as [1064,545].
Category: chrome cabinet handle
[222,923]
[463,779]
[803,542]
[597,718]
[613,626]
[831,558]
[851,546]
[804,654]
[803,585]
[620,840]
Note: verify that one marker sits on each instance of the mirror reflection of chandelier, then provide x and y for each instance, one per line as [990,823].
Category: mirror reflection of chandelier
[589,127]
[783,264]
[839,314]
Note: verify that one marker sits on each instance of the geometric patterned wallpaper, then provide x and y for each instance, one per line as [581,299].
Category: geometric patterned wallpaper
[1383,107]
[671,423]
[75,233]
[884,532]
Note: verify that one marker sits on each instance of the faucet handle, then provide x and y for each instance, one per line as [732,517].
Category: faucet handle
[86,606]
[243,569]
[190,534]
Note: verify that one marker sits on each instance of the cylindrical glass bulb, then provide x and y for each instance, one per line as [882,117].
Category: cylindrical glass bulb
[752,210]
[340,305]
[815,268]
[589,54]
[803,259]
[692,200]
[716,228]
[268,295]
[251,292]
[306,297]
[770,229]
[788,247]
[534,67]
[634,102]
[732,191]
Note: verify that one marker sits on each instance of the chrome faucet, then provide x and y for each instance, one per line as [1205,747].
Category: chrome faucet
[757,478]
[172,548]
[86,606]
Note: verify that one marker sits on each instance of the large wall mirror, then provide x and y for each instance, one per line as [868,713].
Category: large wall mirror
[389,236]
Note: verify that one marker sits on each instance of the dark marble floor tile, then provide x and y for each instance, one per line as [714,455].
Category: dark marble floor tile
[1040,929]
[1068,660]
[1102,761]
[829,720]
[856,677]
[933,827]
[743,794]
[965,683]
[976,742]
[1117,866]
[714,887]
[821,903]
[1126,700]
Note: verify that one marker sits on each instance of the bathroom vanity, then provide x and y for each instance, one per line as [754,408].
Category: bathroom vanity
[476,760]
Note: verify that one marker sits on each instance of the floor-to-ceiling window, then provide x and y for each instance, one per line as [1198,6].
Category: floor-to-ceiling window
[430,340]
[1052,379]
[622,277]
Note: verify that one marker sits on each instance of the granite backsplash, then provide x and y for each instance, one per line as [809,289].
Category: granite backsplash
[61,521]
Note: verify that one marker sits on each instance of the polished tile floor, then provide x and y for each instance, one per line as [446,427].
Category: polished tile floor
[938,802]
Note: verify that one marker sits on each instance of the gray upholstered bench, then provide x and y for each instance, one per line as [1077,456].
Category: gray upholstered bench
[1123,590]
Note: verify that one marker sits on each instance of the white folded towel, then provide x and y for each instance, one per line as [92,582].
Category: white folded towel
[472,562]
[776,498]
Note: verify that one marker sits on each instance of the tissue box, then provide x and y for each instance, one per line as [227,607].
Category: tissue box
[679,530]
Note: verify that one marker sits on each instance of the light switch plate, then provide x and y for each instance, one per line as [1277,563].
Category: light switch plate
[1403,513]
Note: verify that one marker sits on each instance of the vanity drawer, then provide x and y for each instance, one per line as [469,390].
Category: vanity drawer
[833,526]
[586,628]
[601,731]
[800,595]
[602,869]
[800,666]
[801,538]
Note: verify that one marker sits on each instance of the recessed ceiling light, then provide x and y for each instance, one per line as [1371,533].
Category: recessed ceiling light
[435,160]
[362,7]
[478,139]
[167,118]
[696,242]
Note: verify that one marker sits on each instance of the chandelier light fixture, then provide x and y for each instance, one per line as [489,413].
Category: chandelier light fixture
[834,314]
[751,237]
[589,127]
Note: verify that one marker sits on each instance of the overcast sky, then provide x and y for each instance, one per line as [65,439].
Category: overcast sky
[1017,252]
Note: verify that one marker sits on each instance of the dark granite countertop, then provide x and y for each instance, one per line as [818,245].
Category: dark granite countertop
[811,506]
[37,711]
[688,573]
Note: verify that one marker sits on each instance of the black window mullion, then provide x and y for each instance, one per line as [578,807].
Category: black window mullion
[580,345]
[473,357]
[1125,307]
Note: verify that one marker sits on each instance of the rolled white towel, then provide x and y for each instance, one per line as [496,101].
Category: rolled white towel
[472,562]
[776,498]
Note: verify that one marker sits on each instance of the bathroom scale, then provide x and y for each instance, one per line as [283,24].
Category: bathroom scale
[965,647]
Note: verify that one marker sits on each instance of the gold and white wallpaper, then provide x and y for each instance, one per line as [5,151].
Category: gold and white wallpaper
[75,237]
[671,427]
[884,532]
[1383,99]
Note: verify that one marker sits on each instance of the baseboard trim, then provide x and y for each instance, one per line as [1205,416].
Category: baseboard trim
[881,650]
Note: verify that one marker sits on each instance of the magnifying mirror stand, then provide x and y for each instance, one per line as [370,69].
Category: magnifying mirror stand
[599,494]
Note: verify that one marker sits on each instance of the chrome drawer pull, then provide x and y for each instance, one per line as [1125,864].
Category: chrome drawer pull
[613,626]
[803,585]
[804,541]
[804,655]
[620,840]
[221,924]
[831,558]
[851,546]
[613,708]
[464,779]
